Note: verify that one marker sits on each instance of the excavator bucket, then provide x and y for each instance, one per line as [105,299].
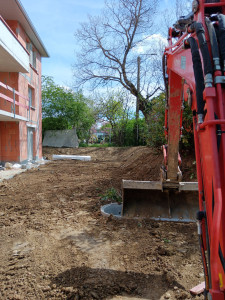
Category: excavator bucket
[159,201]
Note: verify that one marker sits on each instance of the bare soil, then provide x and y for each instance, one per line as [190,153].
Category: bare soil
[55,244]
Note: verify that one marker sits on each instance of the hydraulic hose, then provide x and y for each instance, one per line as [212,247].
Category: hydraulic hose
[212,1]
[198,73]
[214,44]
[221,34]
[200,31]
[165,76]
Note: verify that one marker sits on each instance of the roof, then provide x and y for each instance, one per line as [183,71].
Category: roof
[13,10]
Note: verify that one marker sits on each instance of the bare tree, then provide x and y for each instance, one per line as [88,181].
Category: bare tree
[183,7]
[109,48]
[175,11]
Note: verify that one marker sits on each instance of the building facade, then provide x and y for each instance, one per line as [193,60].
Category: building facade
[21,51]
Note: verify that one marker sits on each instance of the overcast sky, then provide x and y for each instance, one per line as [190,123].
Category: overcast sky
[56,22]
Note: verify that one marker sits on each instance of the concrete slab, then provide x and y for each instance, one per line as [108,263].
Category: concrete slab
[61,138]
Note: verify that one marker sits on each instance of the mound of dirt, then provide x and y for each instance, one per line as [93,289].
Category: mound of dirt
[137,163]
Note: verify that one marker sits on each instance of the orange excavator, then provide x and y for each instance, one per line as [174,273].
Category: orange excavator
[194,71]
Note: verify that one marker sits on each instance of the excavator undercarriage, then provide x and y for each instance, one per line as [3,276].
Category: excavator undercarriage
[194,71]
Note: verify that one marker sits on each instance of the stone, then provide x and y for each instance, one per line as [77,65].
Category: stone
[16,166]
[94,295]
[169,278]
[18,297]
[167,296]
[68,289]
[8,165]
[46,288]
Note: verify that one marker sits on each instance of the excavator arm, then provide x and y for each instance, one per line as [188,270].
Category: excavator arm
[194,69]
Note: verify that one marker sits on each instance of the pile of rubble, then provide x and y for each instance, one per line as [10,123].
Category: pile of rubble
[9,170]
[17,166]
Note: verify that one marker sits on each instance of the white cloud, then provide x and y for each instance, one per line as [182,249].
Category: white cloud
[153,44]
[56,22]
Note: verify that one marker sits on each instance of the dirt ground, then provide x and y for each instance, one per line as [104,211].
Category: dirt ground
[55,244]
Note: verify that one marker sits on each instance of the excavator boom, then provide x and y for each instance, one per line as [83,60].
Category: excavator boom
[194,71]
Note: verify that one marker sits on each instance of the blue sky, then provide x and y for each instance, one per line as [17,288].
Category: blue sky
[56,22]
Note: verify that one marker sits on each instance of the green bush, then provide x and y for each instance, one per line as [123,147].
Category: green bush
[125,133]
[65,109]
[112,195]
[155,126]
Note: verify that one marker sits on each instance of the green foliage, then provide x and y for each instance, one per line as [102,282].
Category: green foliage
[105,145]
[193,176]
[51,123]
[187,141]
[155,124]
[125,132]
[150,131]
[111,107]
[166,241]
[112,195]
[65,109]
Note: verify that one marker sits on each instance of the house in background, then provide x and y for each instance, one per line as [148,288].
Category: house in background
[21,50]
[99,132]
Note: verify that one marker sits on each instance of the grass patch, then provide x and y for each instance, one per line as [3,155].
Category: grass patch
[96,145]
[112,195]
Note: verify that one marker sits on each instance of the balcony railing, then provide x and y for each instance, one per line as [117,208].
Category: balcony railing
[13,105]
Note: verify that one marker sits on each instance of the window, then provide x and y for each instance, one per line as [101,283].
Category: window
[31,97]
[34,60]
[33,55]
[28,46]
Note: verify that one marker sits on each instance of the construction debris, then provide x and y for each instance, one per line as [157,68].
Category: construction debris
[198,289]
[8,165]
[73,157]
[16,166]
[10,170]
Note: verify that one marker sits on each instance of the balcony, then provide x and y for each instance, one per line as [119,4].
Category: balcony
[14,106]
[13,56]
